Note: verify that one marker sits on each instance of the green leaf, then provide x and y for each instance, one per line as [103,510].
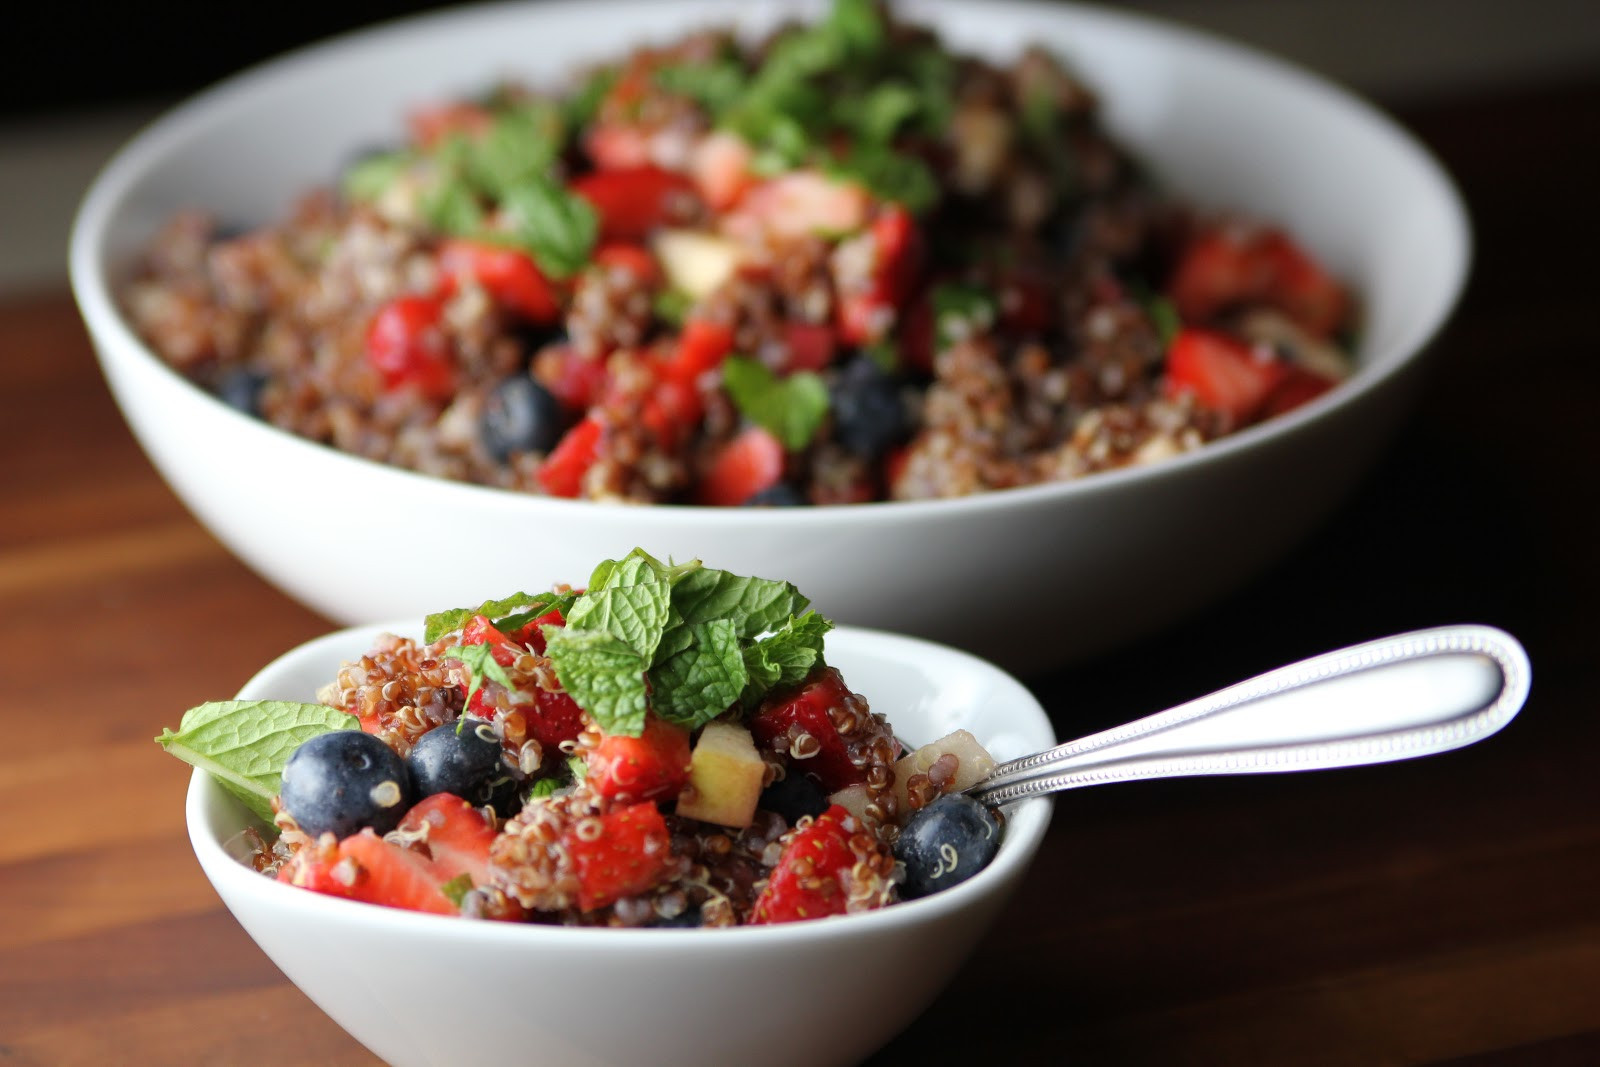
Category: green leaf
[451,207]
[602,674]
[672,306]
[519,146]
[546,787]
[533,605]
[877,115]
[582,106]
[704,679]
[904,179]
[636,615]
[480,663]
[557,226]
[961,311]
[791,408]
[757,605]
[456,889]
[784,657]
[718,85]
[244,744]
[1164,316]
[859,25]
[369,178]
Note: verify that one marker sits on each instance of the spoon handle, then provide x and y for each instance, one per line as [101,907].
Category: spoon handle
[1413,694]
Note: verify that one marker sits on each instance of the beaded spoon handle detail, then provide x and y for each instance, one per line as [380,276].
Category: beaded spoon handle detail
[1399,697]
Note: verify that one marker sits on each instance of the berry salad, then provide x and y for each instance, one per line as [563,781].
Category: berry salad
[841,264]
[666,747]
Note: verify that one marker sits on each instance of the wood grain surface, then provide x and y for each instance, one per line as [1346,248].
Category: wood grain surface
[1446,910]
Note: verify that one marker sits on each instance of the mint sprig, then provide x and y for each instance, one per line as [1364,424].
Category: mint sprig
[791,408]
[508,613]
[244,744]
[481,665]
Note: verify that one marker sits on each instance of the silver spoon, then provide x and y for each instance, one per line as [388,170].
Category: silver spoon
[1413,694]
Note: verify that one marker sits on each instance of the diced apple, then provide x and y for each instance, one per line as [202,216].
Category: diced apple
[725,773]
[696,262]
[854,799]
[973,763]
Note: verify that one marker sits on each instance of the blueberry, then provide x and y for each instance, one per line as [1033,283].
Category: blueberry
[241,388]
[688,918]
[792,796]
[781,495]
[519,415]
[464,761]
[341,781]
[869,417]
[945,843]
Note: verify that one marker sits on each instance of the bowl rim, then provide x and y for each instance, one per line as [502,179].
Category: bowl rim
[205,800]
[91,270]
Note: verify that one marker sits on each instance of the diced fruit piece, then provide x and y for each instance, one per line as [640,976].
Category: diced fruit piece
[749,464]
[461,757]
[562,471]
[852,798]
[811,345]
[622,853]
[821,870]
[1229,267]
[395,877]
[342,781]
[1299,386]
[613,146]
[804,202]
[456,835]
[946,843]
[509,276]
[794,795]
[1222,373]
[797,722]
[407,346]
[696,262]
[519,415]
[654,764]
[633,202]
[574,379]
[720,166]
[556,718]
[869,307]
[479,630]
[869,417]
[725,773]
[630,259]
[702,346]
[948,765]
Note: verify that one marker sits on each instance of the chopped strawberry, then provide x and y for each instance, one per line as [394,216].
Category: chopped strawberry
[811,345]
[866,312]
[750,463]
[430,125]
[365,867]
[407,346]
[1222,372]
[479,630]
[532,636]
[634,201]
[787,715]
[654,764]
[671,410]
[574,379]
[627,856]
[613,146]
[630,259]
[510,277]
[1299,386]
[720,166]
[804,202]
[817,871]
[702,346]
[555,719]
[456,834]
[563,470]
[1225,268]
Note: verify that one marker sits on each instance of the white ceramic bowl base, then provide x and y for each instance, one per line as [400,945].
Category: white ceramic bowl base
[1072,568]
[427,990]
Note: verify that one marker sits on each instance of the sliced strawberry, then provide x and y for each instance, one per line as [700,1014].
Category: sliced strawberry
[479,630]
[811,345]
[1225,268]
[804,202]
[562,471]
[867,312]
[631,259]
[749,464]
[575,380]
[817,871]
[1299,386]
[634,201]
[1222,372]
[393,876]
[430,125]
[531,635]
[654,764]
[785,716]
[456,834]
[625,855]
[555,719]
[702,346]
[407,346]
[720,166]
[613,146]
[509,276]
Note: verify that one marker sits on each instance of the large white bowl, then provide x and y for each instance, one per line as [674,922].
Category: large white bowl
[808,994]
[1031,577]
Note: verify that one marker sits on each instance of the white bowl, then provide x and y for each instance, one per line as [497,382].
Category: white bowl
[1061,570]
[808,993]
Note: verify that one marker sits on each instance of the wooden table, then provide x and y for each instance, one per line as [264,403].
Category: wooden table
[1442,910]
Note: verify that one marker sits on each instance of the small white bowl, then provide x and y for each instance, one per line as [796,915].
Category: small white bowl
[1031,577]
[426,989]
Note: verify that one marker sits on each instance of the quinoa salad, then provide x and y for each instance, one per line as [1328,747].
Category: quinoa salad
[668,747]
[838,265]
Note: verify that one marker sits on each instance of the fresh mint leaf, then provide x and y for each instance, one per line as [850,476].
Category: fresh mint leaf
[457,888]
[582,106]
[791,408]
[546,787]
[877,115]
[533,605]
[859,25]
[785,656]
[636,615]
[561,602]
[244,744]
[961,311]
[519,146]
[756,605]
[557,226]
[451,207]
[603,674]
[897,176]
[717,86]
[704,679]
[480,664]
[1164,316]
[370,177]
